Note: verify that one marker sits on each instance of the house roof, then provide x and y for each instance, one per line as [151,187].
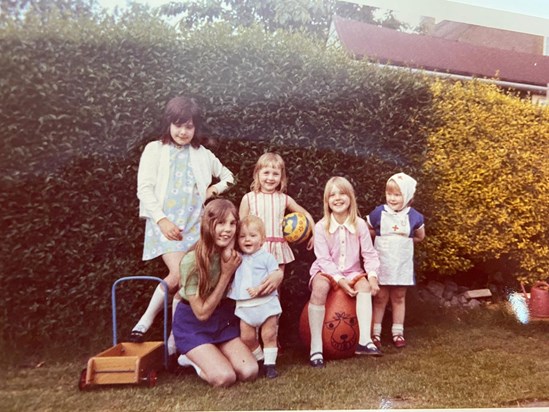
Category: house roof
[488,37]
[389,46]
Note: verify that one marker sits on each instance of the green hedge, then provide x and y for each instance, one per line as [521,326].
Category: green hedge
[81,99]
[488,178]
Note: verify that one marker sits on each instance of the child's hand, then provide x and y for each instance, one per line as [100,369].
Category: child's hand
[374,285]
[169,229]
[311,243]
[211,192]
[230,261]
[271,282]
[227,252]
[254,292]
[349,290]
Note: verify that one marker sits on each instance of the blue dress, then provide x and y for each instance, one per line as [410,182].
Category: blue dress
[182,206]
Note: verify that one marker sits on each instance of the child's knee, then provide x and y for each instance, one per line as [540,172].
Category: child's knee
[248,336]
[268,333]
[172,280]
[398,295]
[398,299]
[319,290]
[363,286]
[222,378]
[248,372]
[382,297]
[250,341]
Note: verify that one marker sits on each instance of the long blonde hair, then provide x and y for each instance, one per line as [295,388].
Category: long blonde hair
[346,188]
[214,212]
[273,160]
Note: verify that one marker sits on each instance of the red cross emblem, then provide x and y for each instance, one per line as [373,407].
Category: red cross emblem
[395,228]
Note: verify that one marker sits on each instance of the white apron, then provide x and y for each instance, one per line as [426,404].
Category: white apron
[396,249]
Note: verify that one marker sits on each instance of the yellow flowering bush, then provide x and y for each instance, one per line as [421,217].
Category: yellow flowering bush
[487,173]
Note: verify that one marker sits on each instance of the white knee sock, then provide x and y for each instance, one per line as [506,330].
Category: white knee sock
[316,321]
[397,329]
[155,306]
[270,355]
[364,316]
[258,353]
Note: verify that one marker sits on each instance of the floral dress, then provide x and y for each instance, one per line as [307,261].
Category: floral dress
[182,206]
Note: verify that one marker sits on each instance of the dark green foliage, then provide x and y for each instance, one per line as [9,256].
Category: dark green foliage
[80,99]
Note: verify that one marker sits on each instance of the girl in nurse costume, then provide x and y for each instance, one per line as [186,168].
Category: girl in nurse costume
[395,226]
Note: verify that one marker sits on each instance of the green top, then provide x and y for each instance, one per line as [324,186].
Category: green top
[189,274]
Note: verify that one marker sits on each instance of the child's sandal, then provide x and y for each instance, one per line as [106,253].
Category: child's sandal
[399,341]
[377,341]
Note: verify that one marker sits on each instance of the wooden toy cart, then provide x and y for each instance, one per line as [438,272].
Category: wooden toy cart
[127,362]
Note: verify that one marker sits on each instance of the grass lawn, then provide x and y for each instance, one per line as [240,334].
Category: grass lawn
[479,359]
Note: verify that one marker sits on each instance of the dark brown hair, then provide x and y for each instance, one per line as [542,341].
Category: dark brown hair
[180,110]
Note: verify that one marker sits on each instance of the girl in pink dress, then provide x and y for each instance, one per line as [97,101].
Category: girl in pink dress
[345,258]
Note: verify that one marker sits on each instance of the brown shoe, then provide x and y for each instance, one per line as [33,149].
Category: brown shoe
[377,341]
[399,341]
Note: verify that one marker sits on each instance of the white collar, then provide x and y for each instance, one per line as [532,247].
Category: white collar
[256,253]
[400,212]
[334,225]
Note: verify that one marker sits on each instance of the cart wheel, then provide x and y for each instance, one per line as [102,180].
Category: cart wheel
[151,379]
[82,382]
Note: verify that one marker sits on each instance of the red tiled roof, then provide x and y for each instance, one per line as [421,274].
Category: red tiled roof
[389,46]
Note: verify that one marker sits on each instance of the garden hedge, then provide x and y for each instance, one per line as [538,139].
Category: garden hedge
[488,179]
[80,99]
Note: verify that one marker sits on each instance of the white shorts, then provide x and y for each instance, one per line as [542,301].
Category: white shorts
[257,315]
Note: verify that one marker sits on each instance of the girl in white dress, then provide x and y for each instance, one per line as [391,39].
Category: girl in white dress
[396,227]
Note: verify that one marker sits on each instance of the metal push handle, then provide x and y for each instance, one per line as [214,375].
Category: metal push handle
[166,295]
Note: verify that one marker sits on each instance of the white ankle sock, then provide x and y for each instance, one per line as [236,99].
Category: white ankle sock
[184,361]
[364,316]
[270,355]
[258,353]
[397,329]
[316,320]
[377,329]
